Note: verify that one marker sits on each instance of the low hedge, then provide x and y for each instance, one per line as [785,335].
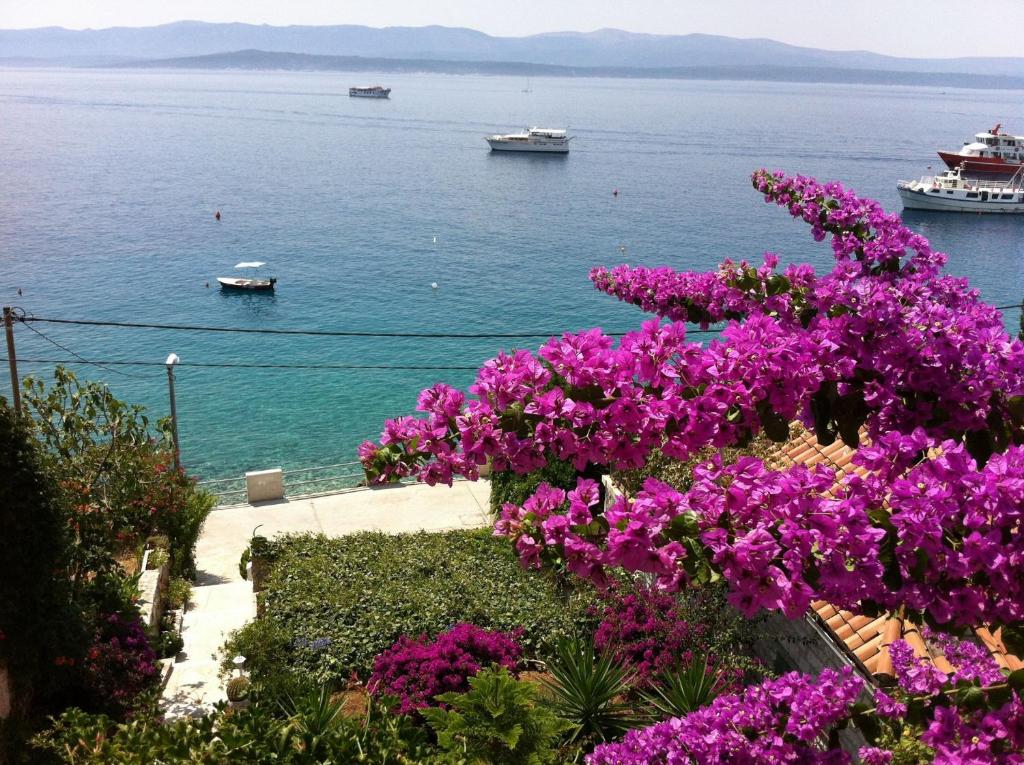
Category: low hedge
[332,605]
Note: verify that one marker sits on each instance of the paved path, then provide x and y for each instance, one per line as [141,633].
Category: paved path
[222,601]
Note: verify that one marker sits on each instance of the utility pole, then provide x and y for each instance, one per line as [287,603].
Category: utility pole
[172,359]
[12,359]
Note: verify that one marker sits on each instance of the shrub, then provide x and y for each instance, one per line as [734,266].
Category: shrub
[179,590]
[41,633]
[678,692]
[509,486]
[653,632]
[120,664]
[645,630]
[333,605]
[590,691]
[415,670]
[499,720]
[260,734]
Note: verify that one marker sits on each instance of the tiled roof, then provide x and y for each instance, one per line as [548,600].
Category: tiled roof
[866,639]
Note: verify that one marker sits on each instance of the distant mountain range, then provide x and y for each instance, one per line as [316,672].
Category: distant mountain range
[269,61]
[607,52]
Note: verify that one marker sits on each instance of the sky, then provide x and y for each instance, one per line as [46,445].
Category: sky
[912,28]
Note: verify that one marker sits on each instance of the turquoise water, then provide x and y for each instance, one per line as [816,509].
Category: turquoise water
[111,180]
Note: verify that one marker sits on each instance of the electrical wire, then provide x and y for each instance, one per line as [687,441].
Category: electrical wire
[243,365]
[25,319]
[101,365]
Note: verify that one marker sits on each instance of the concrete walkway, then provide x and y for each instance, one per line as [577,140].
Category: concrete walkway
[222,601]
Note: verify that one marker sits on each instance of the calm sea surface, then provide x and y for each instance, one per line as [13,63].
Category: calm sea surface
[109,182]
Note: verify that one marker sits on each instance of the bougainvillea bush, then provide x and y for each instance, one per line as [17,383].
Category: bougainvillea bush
[885,345]
[415,670]
[120,664]
[651,632]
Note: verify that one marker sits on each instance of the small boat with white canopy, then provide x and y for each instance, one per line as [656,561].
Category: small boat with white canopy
[252,283]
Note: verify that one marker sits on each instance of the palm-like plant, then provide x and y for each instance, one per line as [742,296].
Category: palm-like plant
[678,692]
[590,691]
[313,718]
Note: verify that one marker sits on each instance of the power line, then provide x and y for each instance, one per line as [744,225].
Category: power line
[317,332]
[80,358]
[242,365]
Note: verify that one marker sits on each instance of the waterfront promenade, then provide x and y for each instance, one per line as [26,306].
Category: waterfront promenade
[222,601]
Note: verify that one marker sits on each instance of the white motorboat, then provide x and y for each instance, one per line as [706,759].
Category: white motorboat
[370,91]
[253,283]
[953,192]
[534,139]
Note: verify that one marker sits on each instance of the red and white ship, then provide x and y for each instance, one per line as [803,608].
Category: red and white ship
[993,153]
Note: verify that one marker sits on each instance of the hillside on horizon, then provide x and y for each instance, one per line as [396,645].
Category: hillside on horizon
[609,48]
[257,60]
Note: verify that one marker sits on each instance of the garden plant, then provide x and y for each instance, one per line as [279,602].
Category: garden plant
[886,353]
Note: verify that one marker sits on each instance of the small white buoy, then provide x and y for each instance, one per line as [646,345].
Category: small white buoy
[435,240]
[433,285]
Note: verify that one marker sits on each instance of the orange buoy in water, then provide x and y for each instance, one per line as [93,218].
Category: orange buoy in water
[217,215]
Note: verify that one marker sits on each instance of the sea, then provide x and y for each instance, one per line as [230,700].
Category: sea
[110,181]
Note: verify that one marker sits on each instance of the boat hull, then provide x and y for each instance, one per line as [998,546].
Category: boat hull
[986,165]
[919,199]
[378,94]
[524,146]
[247,285]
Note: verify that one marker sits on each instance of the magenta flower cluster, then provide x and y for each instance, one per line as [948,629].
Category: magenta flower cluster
[120,664]
[784,538]
[979,737]
[645,631]
[774,722]
[918,676]
[415,670]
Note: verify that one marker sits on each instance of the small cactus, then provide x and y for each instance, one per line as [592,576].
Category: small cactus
[238,688]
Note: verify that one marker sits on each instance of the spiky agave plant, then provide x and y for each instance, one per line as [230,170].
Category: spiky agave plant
[591,691]
[680,691]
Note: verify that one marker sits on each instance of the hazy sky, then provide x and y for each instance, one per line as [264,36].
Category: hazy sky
[917,28]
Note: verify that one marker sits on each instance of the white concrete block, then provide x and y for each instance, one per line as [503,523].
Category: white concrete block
[264,485]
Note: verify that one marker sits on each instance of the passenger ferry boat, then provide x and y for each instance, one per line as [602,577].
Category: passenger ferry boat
[533,139]
[992,153]
[953,192]
[372,91]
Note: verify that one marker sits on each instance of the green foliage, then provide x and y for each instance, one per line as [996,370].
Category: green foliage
[40,630]
[115,476]
[499,721]
[238,688]
[678,474]
[509,486]
[310,733]
[157,558]
[243,563]
[679,692]
[591,692]
[355,596]
[169,644]
[904,743]
[179,590]
[183,528]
